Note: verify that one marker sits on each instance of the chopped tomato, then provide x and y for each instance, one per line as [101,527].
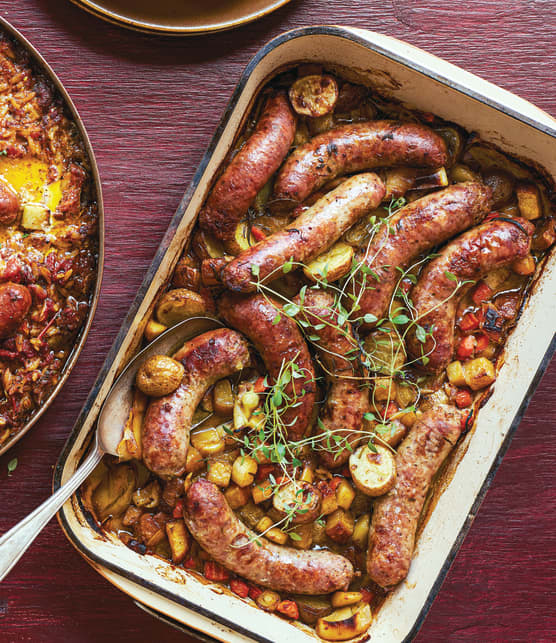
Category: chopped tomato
[482,342]
[190,563]
[254,592]
[257,233]
[366,595]
[260,385]
[481,293]
[469,322]
[239,587]
[215,572]
[463,398]
[178,509]
[391,410]
[289,609]
[466,347]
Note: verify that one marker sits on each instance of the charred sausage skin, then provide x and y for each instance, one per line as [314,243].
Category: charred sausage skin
[413,230]
[220,533]
[277,343]
[249,170]
[348,399]
[354,148]
[395,515]
[15,301]
[206,359]
[471,256]
[310,234]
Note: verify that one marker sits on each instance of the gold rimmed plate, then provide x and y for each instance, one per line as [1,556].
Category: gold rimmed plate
[180,17]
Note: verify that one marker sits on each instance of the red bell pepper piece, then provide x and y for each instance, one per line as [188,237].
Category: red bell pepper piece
[264,470]
[334,483]
[466,347]
[239,587]
[482,342]
[469,322]
[289,609]
[260,385]
[178,509]
[254,592]
[215,572]
[190,563]
[463,398]
[391,410]
[257,234]
[481,293]
[366,595]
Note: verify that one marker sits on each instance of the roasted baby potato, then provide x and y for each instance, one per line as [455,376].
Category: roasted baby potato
[153,329]
[479,373]
[373,472]
[330,265]
[345,623]
[299,499]
[179,304]
[159,375]
[341,599]
[339,526]
[223,398]
[502,185]
[244,470]
[314,95]
[178,539]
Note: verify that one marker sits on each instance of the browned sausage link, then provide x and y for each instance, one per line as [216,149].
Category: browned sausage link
[206,359]
[278,344]
[395,515]
[313,232]
[223,536]
[348,398]
[413,230]
[357,147]
[469,257]
[9,205]
[249,170]
[15,301]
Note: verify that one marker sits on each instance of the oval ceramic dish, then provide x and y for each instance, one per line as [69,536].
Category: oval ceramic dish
[176,18]
[48,73]
[410,75]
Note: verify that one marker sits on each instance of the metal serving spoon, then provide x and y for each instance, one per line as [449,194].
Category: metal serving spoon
[109,432]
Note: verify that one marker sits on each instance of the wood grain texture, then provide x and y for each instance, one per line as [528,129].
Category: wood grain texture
[150,105]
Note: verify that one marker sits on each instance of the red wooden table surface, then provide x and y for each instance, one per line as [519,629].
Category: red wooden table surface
[150,105]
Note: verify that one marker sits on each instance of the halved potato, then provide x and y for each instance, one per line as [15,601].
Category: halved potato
[529,200]
[314,95]
[35,217]
[341,599]
[461,173]
[159,375]
[179,304]
[332,264]
[373,473]
[345,623]
[178,538]
[300,499]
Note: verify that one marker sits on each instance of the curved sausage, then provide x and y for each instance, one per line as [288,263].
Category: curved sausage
[395,515]
[357,147]
[206,359]
[413,230]
[249,170]
[348,398]
[9,205]
[15,301]
[313,232]
[471,256]
[278,344]
[221,534]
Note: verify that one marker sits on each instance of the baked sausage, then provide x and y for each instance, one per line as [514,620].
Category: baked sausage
[353,148]
[223,536]
[310,234]
[395,515]
[206,359]
[471,256]
[279,342]
[413,230]
[15,301]
[9,205]
[348,397]
[249,170]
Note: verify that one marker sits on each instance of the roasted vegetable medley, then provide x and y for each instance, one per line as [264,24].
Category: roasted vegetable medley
[368,262]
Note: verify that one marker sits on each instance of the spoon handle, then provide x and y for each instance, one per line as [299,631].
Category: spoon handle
[14,543]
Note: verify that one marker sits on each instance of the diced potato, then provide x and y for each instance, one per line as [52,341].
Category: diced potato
[361,531]
[150,530]
[314,95]
[373,473]
[194,460]
[268,600]
[264,523]
[329,502]
[35,217]
[148,497]
[159,375]
[319,532]
[208,441]
[223,398]
[455,373]
[405,394]
[308,475]
[341,599]
[408,420]
[386,349]
[479,373]
[301,500]
[250,514]
[244,470]
[461,173]
[529,200]
[495,278]
[332,264]
[277,536]
[384,389]
[525,266]
[219,473]
[153,329]
[345,494]
[247,411]
[131,515]
[339,526]
[178,539]
[237,496]
[302,536]
[261,491]
[345,623]
[179,304]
